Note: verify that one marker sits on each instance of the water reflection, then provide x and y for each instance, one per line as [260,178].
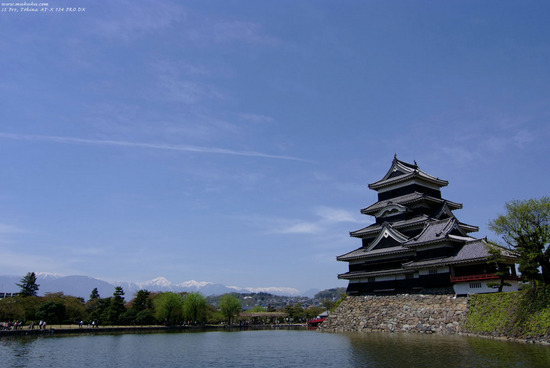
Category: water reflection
[412,350]
[269,348]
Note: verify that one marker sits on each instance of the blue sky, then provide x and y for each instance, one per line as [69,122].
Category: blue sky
[233,141]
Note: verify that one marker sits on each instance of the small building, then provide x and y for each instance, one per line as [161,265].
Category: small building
[417,245]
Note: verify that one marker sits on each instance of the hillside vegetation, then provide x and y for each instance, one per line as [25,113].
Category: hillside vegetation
[524,314]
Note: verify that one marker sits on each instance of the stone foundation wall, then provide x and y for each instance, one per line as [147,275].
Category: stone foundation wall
[399,313]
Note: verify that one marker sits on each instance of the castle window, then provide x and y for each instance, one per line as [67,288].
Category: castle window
[475,285]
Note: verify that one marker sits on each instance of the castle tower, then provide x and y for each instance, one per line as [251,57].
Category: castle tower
[416,243]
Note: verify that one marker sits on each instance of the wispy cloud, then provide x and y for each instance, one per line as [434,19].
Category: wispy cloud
[326,217]
[241,31]
[127,19]
[183,82]
[187,91]
[465,151]
[334,215]
[157,146]
[256,118]
[227,32]
[8,232]
[9,229]
[300,228]
[460,155]
[523,138]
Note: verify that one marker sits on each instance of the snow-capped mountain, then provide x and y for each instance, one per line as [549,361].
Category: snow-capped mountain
[82,286]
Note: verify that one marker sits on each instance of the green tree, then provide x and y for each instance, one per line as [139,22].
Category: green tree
[328,304]
[28,285]
[51,311]
[295,312]
[526,228]
[230,306]
[128,317]
[495,259]
[194,307]
[75,308]
[213,315]
[98,310]
[313,312]
[257,308]
[19,308]
[141,309]
[142,301]
[94,294]
[116,307]
[145,317]
[11,309]
[30,305]
[168,308]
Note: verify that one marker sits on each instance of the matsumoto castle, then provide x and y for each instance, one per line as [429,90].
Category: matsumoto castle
[417,245]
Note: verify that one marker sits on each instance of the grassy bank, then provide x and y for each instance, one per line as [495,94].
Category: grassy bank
[523,314]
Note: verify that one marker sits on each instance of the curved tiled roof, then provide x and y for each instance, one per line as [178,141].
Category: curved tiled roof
[472,251]
[358,275]
[408,199]
[402,171]
[374,228]
[437,231]
[364,253]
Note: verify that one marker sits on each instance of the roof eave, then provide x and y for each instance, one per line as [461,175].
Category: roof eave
[434,241]
[343,258]
[399,179]
[452,205]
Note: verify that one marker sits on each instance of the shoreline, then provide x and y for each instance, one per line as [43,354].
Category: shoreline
[68,330]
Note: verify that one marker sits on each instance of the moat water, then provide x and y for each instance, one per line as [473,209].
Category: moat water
[268,348]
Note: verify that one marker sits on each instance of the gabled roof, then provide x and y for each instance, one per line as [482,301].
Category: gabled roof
[387,231]
[401,171]
[408,199]
[438,231]
[445,212]
[402,224]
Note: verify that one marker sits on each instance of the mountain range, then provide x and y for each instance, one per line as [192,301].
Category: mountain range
[82,286]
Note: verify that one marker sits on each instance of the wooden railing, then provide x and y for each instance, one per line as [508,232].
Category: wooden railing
[485,276]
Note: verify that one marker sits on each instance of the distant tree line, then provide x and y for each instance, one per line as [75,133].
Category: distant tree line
[145,308]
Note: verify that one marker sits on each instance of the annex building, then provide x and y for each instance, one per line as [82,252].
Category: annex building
[417,245]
